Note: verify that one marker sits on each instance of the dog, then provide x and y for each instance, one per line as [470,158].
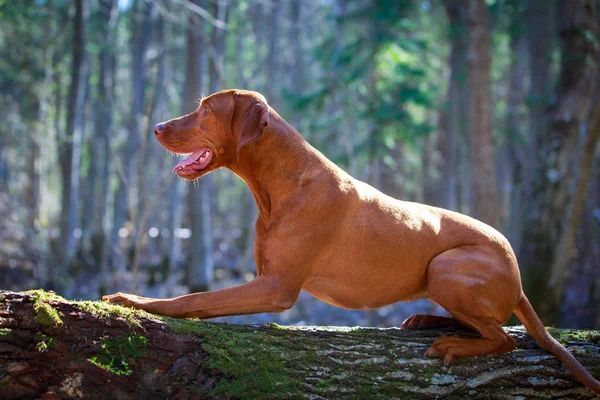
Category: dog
[343,241]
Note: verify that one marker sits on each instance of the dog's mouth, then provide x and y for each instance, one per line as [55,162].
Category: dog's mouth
[193,163]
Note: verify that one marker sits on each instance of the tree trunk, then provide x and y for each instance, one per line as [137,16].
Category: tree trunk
[453,121]
[55,274]
[106,86]
[201,265]
[70,148]
[480,115]
[89,191]
[274,55]
[582,295]
[540,27]
[295,39]
[215,71]
[123,201]
[174,196]
[551,192]
[427,158]
[4,170]
[513,160]
[565,250]
[143,356]
[32,194]
[144,205]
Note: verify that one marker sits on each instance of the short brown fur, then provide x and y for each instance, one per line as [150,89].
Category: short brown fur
[341,240]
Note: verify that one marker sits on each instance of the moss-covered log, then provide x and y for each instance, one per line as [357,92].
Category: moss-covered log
[51,348]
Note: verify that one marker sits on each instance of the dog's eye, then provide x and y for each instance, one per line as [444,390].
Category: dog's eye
[206,110]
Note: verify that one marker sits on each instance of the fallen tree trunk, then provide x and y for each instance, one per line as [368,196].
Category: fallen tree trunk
[53,348]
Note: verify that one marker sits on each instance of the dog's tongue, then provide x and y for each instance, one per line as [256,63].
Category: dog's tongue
[189,160]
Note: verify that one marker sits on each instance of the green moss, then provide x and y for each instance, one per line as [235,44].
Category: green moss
[429,372]
[390,390]
[324,385]
[186,326]
[46,315]
[117,355]
[104,309]
[5,333]
[251,361]
[571,335]
[45,344]
[100,309]
[42,295]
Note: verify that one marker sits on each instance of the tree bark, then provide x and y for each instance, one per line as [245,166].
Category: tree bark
[274,54]
[551,192]
[513,160]
[32,194]
[201,265]
[128,159]
[174,196]
[453,121]
[427,159]
[70,148]
[4,170]
[144,356]
[564,251]
[540,29]
[106,85]
[295,39]
[480,114]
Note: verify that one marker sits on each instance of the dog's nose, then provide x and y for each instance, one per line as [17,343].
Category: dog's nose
[158,129]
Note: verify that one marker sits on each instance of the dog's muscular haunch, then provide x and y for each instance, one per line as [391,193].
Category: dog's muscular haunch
[343,241]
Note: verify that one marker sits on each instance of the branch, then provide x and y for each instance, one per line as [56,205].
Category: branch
[88,344]
[196,9]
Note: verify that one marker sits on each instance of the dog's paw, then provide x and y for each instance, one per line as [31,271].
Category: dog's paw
[127,300]
[446,348]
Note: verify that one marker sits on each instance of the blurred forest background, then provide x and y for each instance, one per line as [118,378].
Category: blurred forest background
[487,107]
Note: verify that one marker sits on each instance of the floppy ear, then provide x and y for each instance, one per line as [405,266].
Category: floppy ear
[248,120]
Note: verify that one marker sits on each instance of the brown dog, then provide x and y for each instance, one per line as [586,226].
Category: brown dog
[343,241]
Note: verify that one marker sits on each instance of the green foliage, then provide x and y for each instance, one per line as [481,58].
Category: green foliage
[118,355]
[376,57]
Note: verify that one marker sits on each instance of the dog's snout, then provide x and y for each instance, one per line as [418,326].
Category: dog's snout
[159,128]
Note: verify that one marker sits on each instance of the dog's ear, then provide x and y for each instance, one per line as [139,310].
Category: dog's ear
[249,119]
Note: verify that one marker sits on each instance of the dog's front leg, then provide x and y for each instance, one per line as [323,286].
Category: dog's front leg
[263,294]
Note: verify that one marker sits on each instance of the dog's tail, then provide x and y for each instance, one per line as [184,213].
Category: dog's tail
[536,329]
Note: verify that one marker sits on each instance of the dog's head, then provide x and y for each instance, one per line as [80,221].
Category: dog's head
[214,134]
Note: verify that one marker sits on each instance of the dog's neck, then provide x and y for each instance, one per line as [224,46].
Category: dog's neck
[277,165]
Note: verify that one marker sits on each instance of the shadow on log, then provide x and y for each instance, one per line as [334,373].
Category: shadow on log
[51,348]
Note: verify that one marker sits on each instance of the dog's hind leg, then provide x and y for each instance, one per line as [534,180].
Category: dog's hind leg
[479,288]
[425,321]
